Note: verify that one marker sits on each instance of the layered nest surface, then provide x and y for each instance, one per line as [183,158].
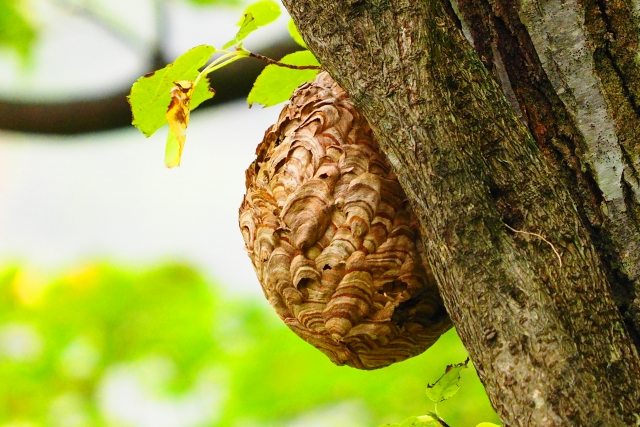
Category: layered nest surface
[332,237]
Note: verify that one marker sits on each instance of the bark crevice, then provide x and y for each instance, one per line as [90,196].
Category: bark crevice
[614,56]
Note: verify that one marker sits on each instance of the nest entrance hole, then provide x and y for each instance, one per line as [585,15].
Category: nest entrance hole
[392,289]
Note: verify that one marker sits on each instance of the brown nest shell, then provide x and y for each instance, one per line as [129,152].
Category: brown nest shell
[332,237]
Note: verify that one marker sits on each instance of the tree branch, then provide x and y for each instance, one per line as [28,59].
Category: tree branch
[113,111]
[282,64]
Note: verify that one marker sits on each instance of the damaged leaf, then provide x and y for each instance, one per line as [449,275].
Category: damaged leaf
[150,95]
[177,116]
[247,26]
[447,385]
[255,15]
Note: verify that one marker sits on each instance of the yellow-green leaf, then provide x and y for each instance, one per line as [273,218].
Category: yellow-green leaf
[264,12]
[275,84]
[172,151]
[150,95]
[295,35]
[486,424]
[447,385]
[177,116]
[256,15]
[421,421]
[247,27]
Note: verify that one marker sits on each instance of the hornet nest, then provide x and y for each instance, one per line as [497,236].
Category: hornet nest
[332,237]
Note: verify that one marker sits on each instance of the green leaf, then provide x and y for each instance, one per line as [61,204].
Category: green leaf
[201,93]
[432,415]
[422,421]
[150,97]
[486,424]
[275,84]
[447,385]
[247,27]
[295,35]
[256,15]
[264,12]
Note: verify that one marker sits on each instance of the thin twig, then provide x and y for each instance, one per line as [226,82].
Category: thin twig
[282,64]
[541,238]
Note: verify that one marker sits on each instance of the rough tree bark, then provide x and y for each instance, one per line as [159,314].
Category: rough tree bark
[529,214]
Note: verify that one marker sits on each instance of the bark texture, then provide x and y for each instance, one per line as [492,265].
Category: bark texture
[332,238]
[572,69]
[546,335]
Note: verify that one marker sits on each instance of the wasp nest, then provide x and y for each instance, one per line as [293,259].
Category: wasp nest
[332,237]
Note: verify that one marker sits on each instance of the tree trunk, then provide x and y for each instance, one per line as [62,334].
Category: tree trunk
[529,215]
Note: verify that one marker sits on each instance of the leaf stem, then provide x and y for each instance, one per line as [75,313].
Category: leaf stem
[220,65]
[224,60]
[282,64]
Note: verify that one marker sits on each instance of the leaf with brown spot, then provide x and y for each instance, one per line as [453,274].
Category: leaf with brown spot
[150,95]
[447,385]
[256,15]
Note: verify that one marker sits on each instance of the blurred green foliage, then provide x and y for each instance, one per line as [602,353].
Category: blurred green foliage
[72,346]
[216,2]
[17,31]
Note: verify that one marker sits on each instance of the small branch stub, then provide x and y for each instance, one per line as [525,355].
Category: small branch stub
[332,238]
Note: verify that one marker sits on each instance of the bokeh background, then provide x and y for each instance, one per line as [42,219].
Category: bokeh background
[126,298]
